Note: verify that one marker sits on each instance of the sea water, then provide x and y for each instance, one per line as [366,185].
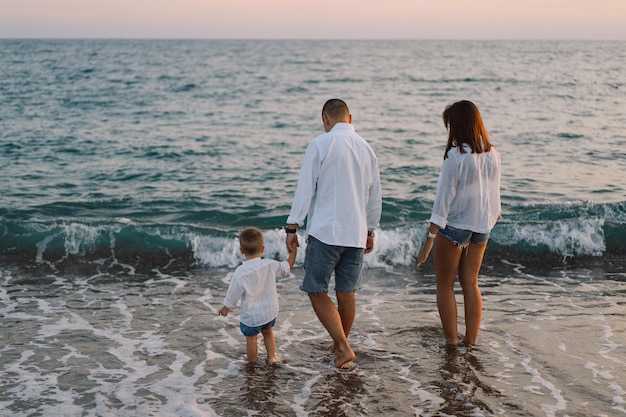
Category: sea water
[129,166]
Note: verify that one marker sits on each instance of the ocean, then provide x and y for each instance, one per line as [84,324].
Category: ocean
[129,167]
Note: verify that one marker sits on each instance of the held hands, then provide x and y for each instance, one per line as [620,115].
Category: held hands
[292,243]
[223,311]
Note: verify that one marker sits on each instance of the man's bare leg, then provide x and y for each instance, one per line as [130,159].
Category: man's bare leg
[346,305]
[330,318]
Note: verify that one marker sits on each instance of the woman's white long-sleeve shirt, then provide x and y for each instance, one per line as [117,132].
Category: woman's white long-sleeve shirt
[254,283]
[468,191]
[338,189]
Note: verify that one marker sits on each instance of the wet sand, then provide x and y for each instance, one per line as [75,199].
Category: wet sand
[549,346]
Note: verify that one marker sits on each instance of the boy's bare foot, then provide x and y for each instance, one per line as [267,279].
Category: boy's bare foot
[344,358]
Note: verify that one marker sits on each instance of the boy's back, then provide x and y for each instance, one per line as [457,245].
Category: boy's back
[254,282]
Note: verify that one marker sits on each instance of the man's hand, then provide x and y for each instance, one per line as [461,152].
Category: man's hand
[292,242]
[369,245]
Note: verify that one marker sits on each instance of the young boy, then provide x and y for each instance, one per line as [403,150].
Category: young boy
[254,283]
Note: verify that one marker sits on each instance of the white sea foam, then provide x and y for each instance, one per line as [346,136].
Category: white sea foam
[566,237]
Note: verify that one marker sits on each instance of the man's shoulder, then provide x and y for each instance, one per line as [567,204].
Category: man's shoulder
[338,133]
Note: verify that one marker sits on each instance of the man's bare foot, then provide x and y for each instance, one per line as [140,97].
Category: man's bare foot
[348,366]
[272,361]
[344,358]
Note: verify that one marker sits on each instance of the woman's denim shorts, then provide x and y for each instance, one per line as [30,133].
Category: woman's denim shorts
[253,331]
[321,260]
[462,237]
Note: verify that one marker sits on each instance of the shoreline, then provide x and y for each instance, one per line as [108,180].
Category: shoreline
[95,346]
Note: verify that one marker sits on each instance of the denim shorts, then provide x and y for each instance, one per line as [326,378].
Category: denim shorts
[321,260]
[253,331]
[462,237]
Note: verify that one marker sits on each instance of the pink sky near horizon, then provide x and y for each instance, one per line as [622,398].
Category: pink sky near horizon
[321,19]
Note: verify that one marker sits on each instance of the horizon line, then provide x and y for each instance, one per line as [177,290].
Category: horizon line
[147,38]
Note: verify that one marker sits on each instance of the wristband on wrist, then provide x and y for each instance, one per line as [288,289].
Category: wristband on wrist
[370,233]
[290,230]
[431,235]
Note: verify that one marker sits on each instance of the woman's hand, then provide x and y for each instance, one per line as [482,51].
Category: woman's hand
[422,256]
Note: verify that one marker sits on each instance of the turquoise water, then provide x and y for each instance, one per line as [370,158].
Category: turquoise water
[179,144]
[128,168]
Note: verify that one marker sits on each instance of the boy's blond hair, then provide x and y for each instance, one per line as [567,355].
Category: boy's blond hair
[251,240]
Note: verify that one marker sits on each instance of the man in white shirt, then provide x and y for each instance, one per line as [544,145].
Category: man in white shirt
[339,194]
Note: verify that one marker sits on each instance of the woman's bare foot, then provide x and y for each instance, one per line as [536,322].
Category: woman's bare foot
[465,342]
[452,342]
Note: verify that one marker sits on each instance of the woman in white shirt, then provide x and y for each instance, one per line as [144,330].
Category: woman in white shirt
[467,206]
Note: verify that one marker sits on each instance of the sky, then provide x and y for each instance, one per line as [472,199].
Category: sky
[315,19]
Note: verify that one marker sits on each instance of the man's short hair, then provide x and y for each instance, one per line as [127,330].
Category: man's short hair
[251,240]
[335,109]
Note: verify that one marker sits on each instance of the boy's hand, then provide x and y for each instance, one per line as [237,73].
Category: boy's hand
[223,311]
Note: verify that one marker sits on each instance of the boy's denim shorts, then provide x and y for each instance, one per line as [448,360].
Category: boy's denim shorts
[253,331]
[321,260]
[462,237]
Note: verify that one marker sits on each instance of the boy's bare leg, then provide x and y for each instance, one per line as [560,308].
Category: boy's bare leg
[252,349]
[270,345]
[329,316]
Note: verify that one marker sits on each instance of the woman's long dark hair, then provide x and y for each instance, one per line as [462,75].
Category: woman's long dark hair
[465,126]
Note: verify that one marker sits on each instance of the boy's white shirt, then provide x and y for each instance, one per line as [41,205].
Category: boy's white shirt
[254,283]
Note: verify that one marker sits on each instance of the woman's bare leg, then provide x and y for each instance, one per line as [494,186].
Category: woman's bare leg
[469,267]
[446,259]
